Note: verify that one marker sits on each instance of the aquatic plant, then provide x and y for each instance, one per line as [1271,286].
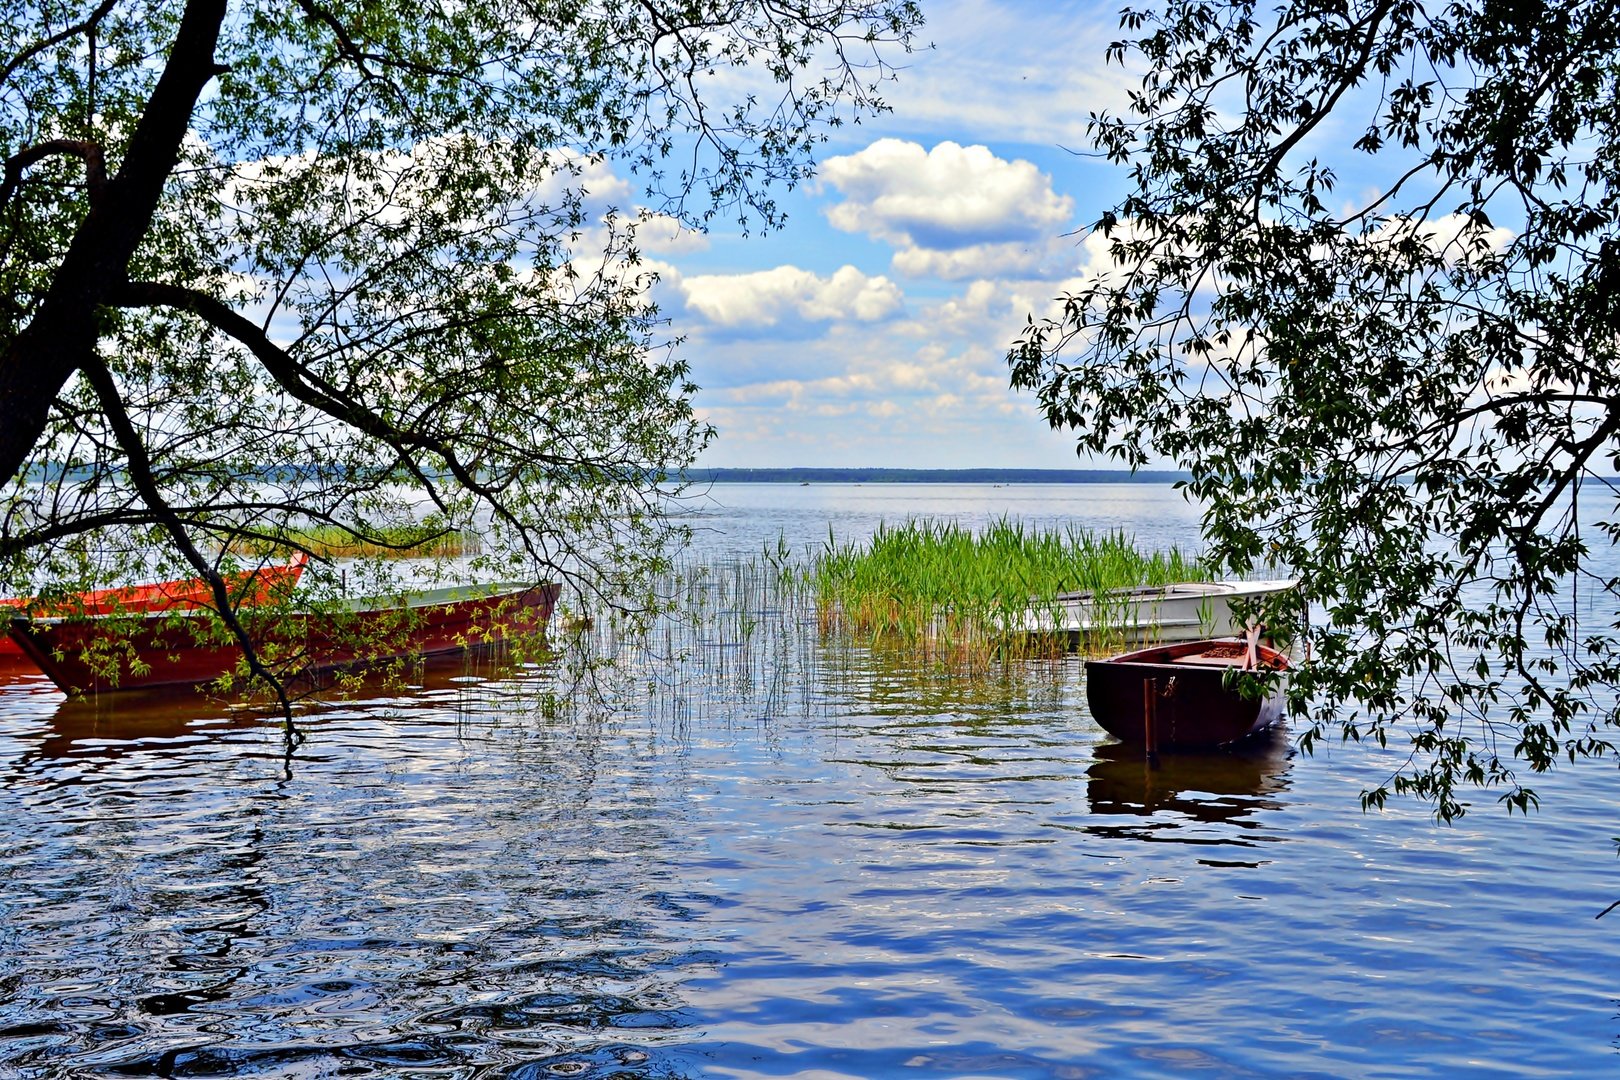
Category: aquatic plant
[746,633]
[943,586]
[924,610]
[397,542]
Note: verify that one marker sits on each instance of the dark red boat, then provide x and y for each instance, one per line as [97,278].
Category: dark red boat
[1177,694]
[249,587]
[175,648]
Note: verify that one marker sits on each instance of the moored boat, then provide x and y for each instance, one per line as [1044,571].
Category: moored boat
[1178,694]
[175,648]
[247,587]
[1183,611]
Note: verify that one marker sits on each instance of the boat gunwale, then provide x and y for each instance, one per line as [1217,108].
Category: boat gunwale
[1271,657]
[447,596]
[1176,589]
[443,622]
[1229,714]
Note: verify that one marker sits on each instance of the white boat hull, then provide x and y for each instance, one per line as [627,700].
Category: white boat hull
[1185,611]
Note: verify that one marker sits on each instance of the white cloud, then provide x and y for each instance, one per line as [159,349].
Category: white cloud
[972,261]
[886,373]
[953,211]
[1019,72]
[664,235]
[787,295]
[1455,237]
[600,187]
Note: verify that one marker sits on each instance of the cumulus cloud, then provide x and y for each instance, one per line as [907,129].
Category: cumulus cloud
[886,373]
[1458,238]
[929,388]
[599,186]
[786,296]
[665,235]
[953,211]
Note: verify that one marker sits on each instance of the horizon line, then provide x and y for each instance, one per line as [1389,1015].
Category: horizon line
[891,474]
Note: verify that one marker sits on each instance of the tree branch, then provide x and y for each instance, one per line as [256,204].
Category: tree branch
[318,393]
[95,165]
[1352,77]
[61,336]
[140,473]
[292,376]
[56,39]
[348,47]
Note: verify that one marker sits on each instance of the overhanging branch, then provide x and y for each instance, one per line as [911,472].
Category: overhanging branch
[140,473]
[89,24]
[91,153]
[320,394]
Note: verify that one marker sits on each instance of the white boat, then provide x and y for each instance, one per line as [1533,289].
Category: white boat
[1184,611]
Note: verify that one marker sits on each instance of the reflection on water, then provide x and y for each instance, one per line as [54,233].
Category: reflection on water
[14,667]
[89,727]
[184,910]
[110,726]
[763,855]
[1181,794]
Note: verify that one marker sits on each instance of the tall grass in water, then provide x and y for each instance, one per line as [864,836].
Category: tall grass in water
[395,542]
[922,611]
[742,636]
[943,587]
[718,633]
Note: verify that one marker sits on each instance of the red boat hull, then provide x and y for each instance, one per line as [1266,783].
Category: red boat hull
[98,655]
[250,587]
[1173,695]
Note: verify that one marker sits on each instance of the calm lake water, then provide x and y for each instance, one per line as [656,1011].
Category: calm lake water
[772,858]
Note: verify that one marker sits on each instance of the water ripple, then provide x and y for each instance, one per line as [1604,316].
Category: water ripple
[872,876]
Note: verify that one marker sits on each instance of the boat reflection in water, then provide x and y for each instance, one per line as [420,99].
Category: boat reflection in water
[1215,796]
[104,727]
[14,666]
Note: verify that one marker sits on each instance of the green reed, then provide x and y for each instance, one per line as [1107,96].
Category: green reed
[924,611]
[393,542]
[746,635]
[944,587]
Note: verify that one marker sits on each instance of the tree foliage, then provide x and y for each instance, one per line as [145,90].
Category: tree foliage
[1404,388]
[275,266]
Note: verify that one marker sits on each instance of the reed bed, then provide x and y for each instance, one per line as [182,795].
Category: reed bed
[921,612]
[964,595]
[743,636]
[713,634]
[396,542]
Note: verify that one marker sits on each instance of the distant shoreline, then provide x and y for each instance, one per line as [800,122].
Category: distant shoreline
[931,476]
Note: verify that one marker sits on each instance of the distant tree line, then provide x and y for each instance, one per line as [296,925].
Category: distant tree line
[930,476]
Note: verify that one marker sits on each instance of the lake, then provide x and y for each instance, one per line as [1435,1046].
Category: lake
[767,857]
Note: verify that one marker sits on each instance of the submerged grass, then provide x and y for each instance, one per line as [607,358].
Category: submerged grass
[946,588]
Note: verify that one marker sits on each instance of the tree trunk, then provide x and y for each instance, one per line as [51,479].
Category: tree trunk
[38,362]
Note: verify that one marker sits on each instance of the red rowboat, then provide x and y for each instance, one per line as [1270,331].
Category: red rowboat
[175,648]
[250,587]
[1177,694]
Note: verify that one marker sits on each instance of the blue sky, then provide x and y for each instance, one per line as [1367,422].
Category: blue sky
[872,329]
